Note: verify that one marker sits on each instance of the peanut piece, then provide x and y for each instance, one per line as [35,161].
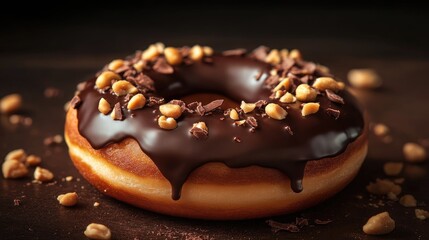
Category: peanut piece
[43,174]
[233,114]
[295,54]
[421,214]
[414,152]
[379,224]
[393,168]
[323,83]
[170,110]
[136,102]
[173,56]
[273,57]
[309,108]
[97,231]
[10,103]
[139,65]
[381,130]
[17,154]
[341,85]
[275,111]
[283,84]
[305,93]
[33,160]
[105,79]
[123,87]
[208,51]
[278,94]
[13,168]
[115,64]
[150,53]
[201,125]
[284,53]
[383,187]
[288,98]
[196,53]
[68,199]
[167,123]
[160,47]
[104,106]
[364,78]
[247,107]
[408,201]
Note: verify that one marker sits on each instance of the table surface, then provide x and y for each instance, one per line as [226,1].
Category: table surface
[61,50]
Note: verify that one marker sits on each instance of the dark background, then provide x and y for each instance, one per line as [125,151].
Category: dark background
[42,48]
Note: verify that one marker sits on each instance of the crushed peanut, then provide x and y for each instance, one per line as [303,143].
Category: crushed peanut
[393,168]
[33,160]
[97,231]
[104,80]
[170,110]
[139,65]
[247,107]
[201,125]
[208,51]
[239,123]
[408,200]
[173,56]
[96,204]
[278,94]
[233,114]
[305,93]
[309,108]
[69,178]
[283,84]
[414,152]
[383,187]
[288,98]
[364,78]
[379,224]
[160,47]
[123,87]
[43,174]
[17,154]
[115,64]
[10,103]
[275,111]
[13,168]
[323,83]
[421,214]
[104,106]
[68,199]
[136,102]
[284,53]
[151,53]
[381,130]
[273,57]
[167,123]
[196,53]
[295,54]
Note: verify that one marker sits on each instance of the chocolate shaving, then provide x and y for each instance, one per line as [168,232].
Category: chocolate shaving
[261,103]
[155,101]
[184,51]
[252,122]
[123,68]
[288,129]
[334,97]
[200,110]
[213,105]
[272,80]
[287,64]
[117,112]
[181,103]
[199,133]
[333,113]
[260,53]
[237,139]
[227,112]
[259,75]
[306,78]
[162,66]
[322,222]
[75,102]
[143,81]
[278,226]
[129,73]
[308,68]
[234,52]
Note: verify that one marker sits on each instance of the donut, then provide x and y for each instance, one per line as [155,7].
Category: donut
[194,133]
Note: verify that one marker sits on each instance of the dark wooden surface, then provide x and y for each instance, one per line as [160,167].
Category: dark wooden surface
[61,49]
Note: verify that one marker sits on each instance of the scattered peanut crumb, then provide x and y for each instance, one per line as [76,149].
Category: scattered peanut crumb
[247,107]
[364,78]
[123,87]
[10,103]
[381,130]
[33,160]
[414,152]
[43,174]
[150,53]
[288,98]
[273,57]
[104,106]
[324,83]
[96,204]
[13,168]
[393,168]
[173,56]
[421,214]
[233,114]
[408,201]
[170,110]
[68,199]
[56,139]
[116,64]
[97,231]
[17,154]
[392,196]
[69,178]
[309,108]
[379,224]
[383,187]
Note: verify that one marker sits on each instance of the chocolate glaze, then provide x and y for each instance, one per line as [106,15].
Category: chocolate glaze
[177,153]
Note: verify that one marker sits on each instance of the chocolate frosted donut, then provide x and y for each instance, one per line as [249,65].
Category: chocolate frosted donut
[232,135]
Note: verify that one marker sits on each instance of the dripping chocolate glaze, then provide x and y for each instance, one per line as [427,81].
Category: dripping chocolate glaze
[176,153]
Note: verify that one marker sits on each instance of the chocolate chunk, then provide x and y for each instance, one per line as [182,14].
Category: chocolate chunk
[322,222]
[129,73]
[117,112]
[75,102]
[181,103]
[155,101]
[123,68]
[252,122]
[272,80]
[234,52]
[213,105]
[237,139]
[260,53]
[143,82]
[333,113]
[334,97]
[162,66]
[200,110]
[308,68]
[305,78]
[261,103]
[278,226]
[287,64]
[288,129]
[199,133]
